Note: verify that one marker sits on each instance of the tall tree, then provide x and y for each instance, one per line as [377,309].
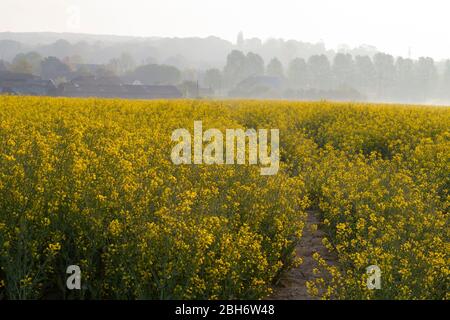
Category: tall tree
[445,83]
[234,68]
[275,68]
[73,61]
[155,74]
[126,63]
[344,70]
[254,65]
[107,73]
[21,64]
[319,71]
[385,74]
[298,73]
[427,77]
[365,75]
[213,79]
[53,68]
[405,80]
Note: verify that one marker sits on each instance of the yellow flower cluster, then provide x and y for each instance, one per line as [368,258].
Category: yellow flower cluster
[90,182]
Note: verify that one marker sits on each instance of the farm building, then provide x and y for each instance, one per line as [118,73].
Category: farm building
[107,88]
[25,84]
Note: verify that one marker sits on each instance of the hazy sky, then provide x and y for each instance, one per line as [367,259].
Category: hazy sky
[390,25]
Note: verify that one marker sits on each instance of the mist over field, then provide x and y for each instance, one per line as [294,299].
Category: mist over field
[214,67]
[203,54]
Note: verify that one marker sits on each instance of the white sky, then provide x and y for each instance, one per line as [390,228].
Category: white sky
[391,25]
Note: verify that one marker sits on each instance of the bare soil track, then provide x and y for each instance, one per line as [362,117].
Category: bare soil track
[292,285]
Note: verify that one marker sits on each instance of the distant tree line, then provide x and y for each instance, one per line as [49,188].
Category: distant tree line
[381,77]
[196,53]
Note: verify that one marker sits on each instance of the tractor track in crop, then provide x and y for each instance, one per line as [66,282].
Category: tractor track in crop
[292,284]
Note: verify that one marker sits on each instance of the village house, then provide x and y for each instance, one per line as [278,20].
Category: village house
[25,84]
[113,88]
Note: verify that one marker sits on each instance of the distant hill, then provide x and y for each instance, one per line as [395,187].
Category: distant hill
[184,53]
[42,38]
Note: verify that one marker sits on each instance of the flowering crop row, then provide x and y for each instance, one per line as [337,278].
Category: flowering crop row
[90,182]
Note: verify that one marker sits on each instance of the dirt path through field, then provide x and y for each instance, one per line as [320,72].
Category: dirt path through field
[292,285]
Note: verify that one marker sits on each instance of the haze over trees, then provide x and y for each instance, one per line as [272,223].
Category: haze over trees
[154,74]
[274,68]
[213,79]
